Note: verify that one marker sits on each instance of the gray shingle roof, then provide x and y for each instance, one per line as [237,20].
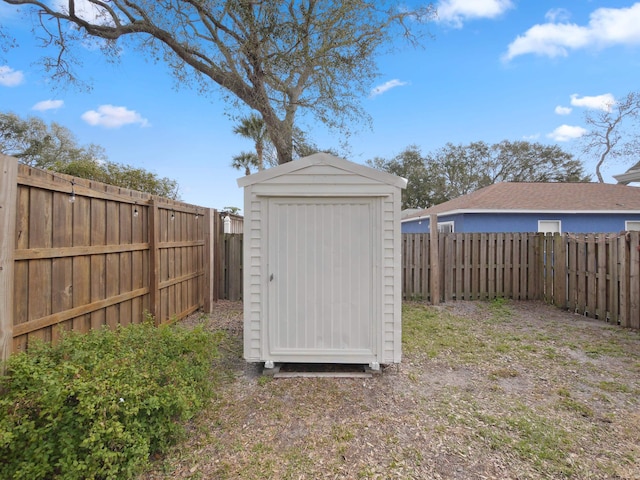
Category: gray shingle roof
[543,197]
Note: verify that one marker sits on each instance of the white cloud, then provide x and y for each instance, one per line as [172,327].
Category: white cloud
[607,27]
[557,15]
[560,110]
[10,77]
[598,102]
[533,136]
[455,12]
[110,116]
[380,89]
[47,105]
[564,133]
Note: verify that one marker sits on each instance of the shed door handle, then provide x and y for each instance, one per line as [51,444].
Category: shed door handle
[271,278]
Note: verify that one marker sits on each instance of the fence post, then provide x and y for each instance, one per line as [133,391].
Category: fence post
[154,261]
[8,207]
[209,259]
[560,271]
[624,271]
[434,259]
[634,280]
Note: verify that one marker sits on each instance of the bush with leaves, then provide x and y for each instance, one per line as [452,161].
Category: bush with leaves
[95,406]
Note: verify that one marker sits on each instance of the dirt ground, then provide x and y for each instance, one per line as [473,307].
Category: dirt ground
[486,390]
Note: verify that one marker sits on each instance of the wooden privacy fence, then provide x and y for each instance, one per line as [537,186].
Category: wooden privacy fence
[230,272]
[472,266]
[597,275]
[77,254]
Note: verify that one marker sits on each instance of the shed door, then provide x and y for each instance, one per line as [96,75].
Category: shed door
[321,287]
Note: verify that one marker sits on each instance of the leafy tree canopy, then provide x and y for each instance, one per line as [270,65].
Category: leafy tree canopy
[39,145]
[274,57]
[54,147]
[456,170]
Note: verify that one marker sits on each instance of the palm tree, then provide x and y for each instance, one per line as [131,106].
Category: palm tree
[253,128]
[245,160]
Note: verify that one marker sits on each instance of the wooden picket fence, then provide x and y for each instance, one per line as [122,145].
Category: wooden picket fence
[108,257]
[597,275]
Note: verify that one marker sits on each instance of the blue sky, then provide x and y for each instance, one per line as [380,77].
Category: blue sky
[495,70]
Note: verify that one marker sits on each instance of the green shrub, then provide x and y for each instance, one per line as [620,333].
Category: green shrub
[95,406]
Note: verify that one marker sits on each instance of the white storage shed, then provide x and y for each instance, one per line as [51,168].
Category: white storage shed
[322,252]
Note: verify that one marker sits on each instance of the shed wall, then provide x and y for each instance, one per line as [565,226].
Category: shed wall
[322,181]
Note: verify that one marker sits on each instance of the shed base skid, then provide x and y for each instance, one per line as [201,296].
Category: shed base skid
[315,370]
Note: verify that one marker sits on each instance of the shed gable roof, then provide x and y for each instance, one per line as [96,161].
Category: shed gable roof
[323,159]
[541,197]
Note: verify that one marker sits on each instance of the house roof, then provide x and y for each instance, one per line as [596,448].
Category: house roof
[631,175]
[541,197]
[323,159]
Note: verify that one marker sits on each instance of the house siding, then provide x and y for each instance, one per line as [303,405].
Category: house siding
[526,222]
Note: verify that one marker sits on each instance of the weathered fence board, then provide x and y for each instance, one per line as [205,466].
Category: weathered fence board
[634,280]
[473,266]
[231,271]
[85,255]
[596,275]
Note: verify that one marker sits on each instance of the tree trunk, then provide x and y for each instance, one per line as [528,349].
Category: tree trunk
[281,136]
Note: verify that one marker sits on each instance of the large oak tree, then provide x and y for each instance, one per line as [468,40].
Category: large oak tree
[274,56]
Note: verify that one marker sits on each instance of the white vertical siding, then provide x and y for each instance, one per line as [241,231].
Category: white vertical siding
[320,254]
[253,295]
[329,233]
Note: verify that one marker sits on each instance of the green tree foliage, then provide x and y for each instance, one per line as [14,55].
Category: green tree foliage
[245,160]
[39,145]
[253,128]
[120,175]
[274,57]
[614,132]
[410,164]
[456,170]
[54,147]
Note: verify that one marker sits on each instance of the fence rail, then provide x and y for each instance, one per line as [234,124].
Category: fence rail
[472,266]
[597,275]
[77,255]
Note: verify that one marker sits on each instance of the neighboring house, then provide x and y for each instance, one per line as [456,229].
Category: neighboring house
[535,207]
[630,176]
[409,211]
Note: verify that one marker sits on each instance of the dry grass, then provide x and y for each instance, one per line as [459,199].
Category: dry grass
[485,390]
